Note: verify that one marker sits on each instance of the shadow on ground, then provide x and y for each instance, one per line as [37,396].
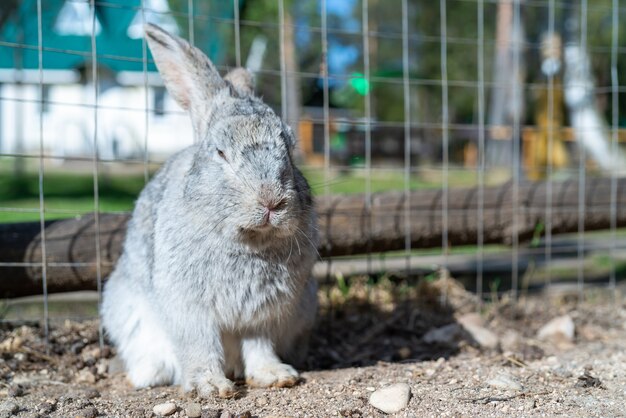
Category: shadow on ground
[364,323]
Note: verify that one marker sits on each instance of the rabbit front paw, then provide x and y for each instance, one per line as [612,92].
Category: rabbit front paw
[209,385]
[274,374]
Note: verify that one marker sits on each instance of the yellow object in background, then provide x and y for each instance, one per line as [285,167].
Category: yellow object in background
[548,134]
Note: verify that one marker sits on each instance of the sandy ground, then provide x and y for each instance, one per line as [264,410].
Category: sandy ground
[365,340]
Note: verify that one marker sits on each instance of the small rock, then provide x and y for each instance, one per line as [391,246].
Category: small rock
[45,407]
[82,404]
[90,354]
[245,414]
[471,318]
[77,347]
[506,382]
[20,357]
[261,401]
[11,344]
[89,412]
[85,376]
[164,409]
[586,380]
[101,368]
[404,352]
[590,332]
[15,391]
[447,335]
[392,398]
[91,393]
[193,410]
[560,328]
[510,340]
[8,408]
[473,324]
[116,365]
[226,414]
[211,413]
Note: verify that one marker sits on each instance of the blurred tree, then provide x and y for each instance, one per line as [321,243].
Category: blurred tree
[345,61]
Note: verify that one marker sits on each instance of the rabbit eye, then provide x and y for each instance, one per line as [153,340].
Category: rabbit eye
[221,154]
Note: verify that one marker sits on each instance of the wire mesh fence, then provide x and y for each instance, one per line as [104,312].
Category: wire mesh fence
[466,104]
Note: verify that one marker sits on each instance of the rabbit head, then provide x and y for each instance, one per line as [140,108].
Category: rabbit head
[242,177]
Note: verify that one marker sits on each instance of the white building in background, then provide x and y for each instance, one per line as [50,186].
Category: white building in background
[57,108]
[123,128]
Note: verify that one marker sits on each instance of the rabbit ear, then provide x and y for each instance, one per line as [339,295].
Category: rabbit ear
[188,74]
[242,80]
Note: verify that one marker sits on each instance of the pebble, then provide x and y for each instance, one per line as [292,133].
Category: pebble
[246,414]
[473,324]
[261,401]
[11,344]
[226,414]
[45,407]
[193,410]
[91,393]
[506,382]
[391,399]
[560,328]
[20,357]
[447,335]
[404,353]
[101,368]
[164,409]
[89,412]
[510,340]
[85,376]
[8,408]
[116,365]
[90,354]
[15,391]
[211,413]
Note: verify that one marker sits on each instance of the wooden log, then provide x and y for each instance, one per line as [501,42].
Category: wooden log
[348,225]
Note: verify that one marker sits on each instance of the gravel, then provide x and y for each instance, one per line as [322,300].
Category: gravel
[355,354]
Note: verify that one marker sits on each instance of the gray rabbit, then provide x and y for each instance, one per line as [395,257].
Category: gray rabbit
[215,278]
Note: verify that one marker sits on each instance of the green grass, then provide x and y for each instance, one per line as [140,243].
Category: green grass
[355,181]
[65,194]
[69,193]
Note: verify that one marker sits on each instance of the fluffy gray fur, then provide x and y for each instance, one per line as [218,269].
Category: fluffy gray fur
[213,285]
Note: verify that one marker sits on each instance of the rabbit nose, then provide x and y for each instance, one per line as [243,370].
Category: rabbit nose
[269,198]
[271,206]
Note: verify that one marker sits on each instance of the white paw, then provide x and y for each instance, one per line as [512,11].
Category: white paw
[210,385]
[275,374]
[146,374]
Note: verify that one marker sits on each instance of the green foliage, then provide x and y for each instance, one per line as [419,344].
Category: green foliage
[342,284]
[431,277]
[537,234]
[425,52]
[494,287]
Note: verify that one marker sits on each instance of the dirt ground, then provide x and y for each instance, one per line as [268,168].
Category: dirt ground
[367,338]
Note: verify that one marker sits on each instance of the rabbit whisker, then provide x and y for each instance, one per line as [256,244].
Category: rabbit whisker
[298,244]
[290,248]
[309,240]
